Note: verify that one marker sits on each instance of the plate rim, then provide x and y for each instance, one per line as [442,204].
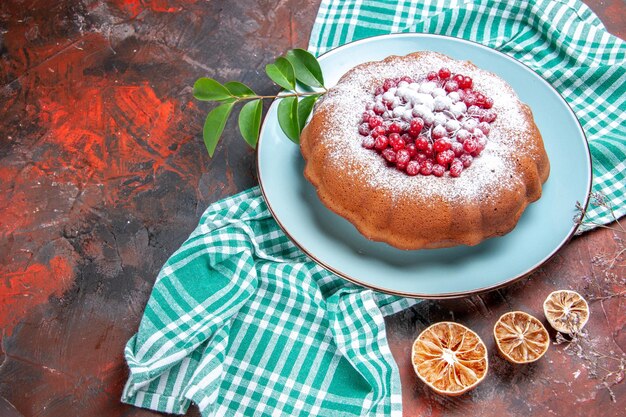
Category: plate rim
[445,295]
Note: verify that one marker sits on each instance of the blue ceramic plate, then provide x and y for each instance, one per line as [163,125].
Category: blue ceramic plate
[333,242]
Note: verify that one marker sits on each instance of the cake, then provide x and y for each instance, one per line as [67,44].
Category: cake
[424,151]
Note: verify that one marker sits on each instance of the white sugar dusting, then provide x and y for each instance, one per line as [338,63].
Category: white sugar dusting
[493,168]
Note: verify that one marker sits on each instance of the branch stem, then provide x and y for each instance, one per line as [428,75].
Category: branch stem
[295,94]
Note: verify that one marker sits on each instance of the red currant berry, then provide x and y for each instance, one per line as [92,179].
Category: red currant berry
[389,154]
[394,127]
[466,159]
[467,82]
[429,151]
[411,149]
[413,168]
[379,108]
[378,130]
[456,167]
[431,76]
[444,73]
[484,127]
[452,126]
[407,79]
[381,142]
[389,83]
[458,78]
[444,158]
[489,116]
[462,135]
[477,133]
[400,167]
[442,145]
[375,121]
[420,157]
[366,115]
[480,99]
[379,91]
[397,144]
[470,145]
[438,170]
[439,132]
[479,148]
[364,129]
[469,100]
[403,157]
[368,142]
[421,143]
[457,148]
[474,110]
[488,103]
[417,124]
[426,167]
[451,86]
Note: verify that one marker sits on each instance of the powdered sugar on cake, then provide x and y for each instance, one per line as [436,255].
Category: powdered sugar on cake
[491,169]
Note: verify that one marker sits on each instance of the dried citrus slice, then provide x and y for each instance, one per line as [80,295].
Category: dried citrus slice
[450,358]
[566,311]
[520,337]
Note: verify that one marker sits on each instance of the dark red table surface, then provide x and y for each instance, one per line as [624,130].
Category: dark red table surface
[103,174]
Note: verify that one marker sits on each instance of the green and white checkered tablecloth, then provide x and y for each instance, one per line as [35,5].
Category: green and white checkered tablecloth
[242,323]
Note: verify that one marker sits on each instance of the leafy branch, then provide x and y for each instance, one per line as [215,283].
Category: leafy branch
[297,68]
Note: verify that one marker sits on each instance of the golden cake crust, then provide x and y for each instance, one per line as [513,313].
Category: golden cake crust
[419,212]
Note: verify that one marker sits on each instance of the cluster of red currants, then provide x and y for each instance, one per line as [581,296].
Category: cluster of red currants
[428,126]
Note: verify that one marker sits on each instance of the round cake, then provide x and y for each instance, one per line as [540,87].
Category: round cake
[424,151]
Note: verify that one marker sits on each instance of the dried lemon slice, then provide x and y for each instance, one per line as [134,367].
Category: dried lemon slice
[566,311]
[520,337]
[450,358]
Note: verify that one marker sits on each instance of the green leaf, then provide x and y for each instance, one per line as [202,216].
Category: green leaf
[307,68]
[288,118]
[250,121]
[282,73]
[239,89]
[207,89]
[304,109]
[214,125]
